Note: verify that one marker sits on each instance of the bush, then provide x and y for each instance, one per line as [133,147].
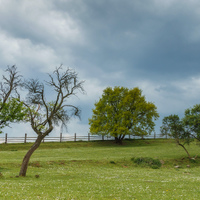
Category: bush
[147,162]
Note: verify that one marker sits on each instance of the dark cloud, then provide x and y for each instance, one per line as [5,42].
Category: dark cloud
[151,44]
[148,38]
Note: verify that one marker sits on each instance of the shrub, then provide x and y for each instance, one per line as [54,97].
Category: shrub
[147,162]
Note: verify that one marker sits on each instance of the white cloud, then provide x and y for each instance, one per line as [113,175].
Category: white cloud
[36,35]
[93,91]
[190,88]
[25,54]
[75,126]
[39,20]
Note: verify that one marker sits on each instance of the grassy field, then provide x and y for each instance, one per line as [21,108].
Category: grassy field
[100,170]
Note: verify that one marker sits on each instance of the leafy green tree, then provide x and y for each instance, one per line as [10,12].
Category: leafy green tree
[192,121]
[173,127]
[122,111]
[44,115]
[11,110]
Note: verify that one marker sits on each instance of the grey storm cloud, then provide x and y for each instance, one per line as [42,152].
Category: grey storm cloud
[151,44]
[145,38]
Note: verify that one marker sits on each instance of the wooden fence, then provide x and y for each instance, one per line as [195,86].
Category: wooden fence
[25,139]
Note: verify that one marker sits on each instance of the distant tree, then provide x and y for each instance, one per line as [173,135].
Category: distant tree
[192,121]
[121,112]
[173,127]
[44,115]
[11,110]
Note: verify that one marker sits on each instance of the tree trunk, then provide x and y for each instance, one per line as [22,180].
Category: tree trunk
[119,139]
[26,159]
[185,150]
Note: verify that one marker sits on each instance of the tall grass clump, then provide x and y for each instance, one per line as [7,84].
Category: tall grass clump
[147,162]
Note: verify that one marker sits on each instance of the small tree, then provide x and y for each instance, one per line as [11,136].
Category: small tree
[11,110]
[192,121]
[174,127]
[44,115]
[121,112]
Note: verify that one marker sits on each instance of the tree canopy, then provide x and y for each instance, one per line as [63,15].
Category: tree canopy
[192,121]
[122,111]
[175,128]
[12,111]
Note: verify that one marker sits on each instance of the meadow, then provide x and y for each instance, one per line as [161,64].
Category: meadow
[100,170]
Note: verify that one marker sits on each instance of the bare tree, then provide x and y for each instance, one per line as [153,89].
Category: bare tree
[44,115]
[10,108]
[9,84]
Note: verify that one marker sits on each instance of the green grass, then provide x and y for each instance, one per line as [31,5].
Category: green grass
[100,170]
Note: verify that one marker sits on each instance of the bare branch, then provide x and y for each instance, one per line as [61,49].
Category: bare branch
[36,91]
[9,84]
[56,111]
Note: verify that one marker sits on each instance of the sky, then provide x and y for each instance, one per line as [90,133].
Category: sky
[150,44]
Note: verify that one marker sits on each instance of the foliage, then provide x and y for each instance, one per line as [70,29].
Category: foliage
[192,121]
[174,127]
[147,162]
[121,112]
[12,111]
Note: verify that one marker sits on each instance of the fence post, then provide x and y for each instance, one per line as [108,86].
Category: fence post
[25,138]
[88,136]
[154,135]
[61,137]
[6,138]
[74,137]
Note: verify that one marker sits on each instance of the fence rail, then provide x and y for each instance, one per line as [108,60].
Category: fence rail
[25,139]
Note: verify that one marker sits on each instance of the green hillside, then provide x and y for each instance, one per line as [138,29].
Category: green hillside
[100,170]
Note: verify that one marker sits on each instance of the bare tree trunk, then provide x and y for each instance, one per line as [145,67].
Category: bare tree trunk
[26,159]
